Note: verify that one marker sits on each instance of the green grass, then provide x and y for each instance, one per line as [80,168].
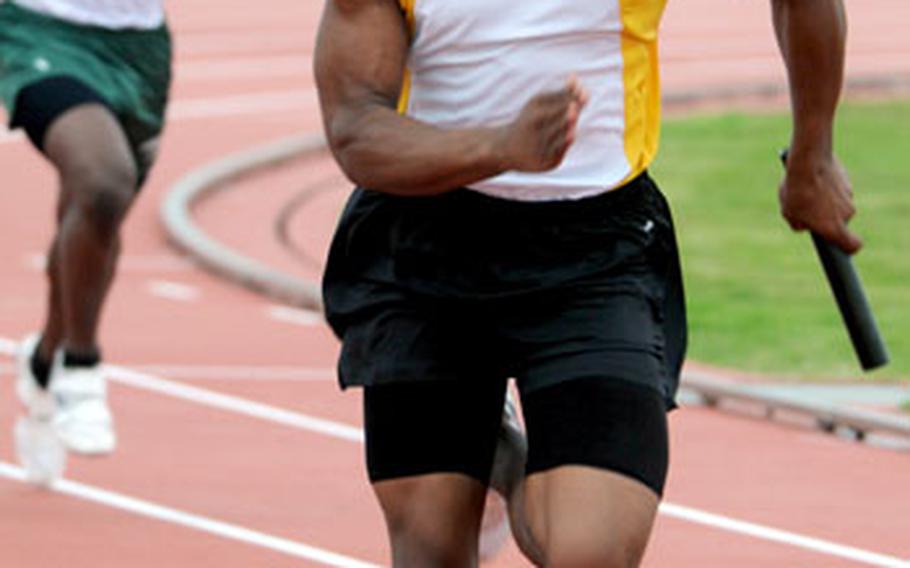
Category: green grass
[757,297]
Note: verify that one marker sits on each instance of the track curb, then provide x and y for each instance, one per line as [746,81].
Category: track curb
[176,218]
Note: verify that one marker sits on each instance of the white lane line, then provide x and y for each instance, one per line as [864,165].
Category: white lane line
[238,373]
[346,432]
[208,525]
[780,536]
[295,316]
[234,404]
[173,290]
[220,401]
[353,434]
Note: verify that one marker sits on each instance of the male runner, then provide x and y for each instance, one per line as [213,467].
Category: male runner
[506,226]
[88,81]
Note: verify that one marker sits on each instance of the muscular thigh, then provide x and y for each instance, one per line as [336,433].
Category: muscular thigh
[76,129]
[88,137]
[430,449]
[598,458]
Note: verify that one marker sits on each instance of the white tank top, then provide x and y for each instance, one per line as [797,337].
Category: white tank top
[111,14]
[475,63]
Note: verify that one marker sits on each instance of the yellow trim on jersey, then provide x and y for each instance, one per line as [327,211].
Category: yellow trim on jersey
[641,81]
[405,97]
[407,6]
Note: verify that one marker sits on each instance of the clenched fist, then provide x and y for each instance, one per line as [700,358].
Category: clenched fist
[539,138]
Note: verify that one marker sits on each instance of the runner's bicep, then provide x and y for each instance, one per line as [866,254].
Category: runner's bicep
[360,58]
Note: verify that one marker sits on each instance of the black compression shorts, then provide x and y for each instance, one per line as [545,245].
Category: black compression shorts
[451,427]
[40,104]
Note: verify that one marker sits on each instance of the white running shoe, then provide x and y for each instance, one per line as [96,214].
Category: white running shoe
[37,400]
[83,420]
[508,470]
[38,448]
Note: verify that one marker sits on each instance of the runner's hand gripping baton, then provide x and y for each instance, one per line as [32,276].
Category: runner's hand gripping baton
[851,300]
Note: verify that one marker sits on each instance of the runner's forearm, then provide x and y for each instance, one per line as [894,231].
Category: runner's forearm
[382,150]
[812,39]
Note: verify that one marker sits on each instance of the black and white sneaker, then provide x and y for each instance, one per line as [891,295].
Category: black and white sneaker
[508,471]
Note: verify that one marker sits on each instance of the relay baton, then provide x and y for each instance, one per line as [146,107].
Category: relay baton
[851,300]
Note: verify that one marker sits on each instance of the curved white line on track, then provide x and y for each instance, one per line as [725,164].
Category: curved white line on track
[350,433]
[170,515]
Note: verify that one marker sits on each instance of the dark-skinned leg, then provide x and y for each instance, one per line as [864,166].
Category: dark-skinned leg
[552,514]
[98,183]
[98,176]
[585,517]
[430,450]
[598,460]
[52,334]
[579,516]
[433,520]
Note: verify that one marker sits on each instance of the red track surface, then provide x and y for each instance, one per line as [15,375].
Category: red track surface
[243,78]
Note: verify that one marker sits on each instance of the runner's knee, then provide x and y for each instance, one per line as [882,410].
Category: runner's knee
[428,541]
[600,552]
[421,545]
[102,192]
[432,520]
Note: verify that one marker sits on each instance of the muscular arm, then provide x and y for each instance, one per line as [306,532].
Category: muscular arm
[359,64]
[815,194]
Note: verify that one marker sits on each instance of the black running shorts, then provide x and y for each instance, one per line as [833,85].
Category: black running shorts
[462,287]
